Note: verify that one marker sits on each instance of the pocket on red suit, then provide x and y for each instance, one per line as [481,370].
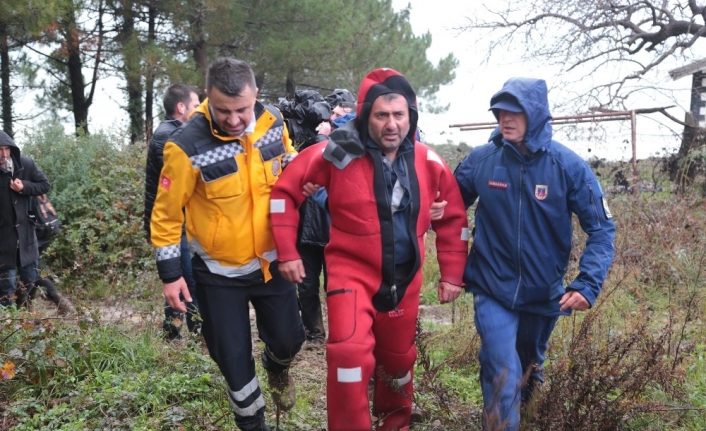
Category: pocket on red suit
[342,316]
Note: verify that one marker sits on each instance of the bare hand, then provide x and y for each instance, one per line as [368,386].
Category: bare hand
[171,294]
[17,185]
[309,189]
[448,292]
[572,300]
[324,128]
[437,209]
[292,270]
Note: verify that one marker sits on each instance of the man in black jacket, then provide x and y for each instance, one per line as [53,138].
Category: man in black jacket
[20,178]
[179,101]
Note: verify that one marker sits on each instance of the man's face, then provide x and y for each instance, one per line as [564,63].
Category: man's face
[513,125]
[233,113]
[340,111]
[5,153]
[389,122]
[189,108]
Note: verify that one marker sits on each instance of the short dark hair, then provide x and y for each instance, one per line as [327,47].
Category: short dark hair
[347,105]
[177,93]
[230,76]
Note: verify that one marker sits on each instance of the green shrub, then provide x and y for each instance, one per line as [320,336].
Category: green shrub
[98,189]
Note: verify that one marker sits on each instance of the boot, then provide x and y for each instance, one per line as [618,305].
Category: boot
[282,388]
[65,307]
[22,299]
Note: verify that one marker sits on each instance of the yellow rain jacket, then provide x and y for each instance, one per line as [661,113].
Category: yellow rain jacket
[224,183]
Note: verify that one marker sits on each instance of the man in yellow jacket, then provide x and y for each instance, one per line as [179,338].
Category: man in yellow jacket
[221,165]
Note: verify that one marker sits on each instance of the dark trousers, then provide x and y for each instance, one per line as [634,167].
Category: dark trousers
[226,329]
[171,330]
[313,260]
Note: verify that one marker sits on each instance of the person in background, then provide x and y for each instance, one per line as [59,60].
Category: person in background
[20,179]
[527,186]
[221,165]
[381,184]
[179,102]
[314,228]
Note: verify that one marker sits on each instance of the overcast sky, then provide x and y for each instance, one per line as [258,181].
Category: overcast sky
[469,95]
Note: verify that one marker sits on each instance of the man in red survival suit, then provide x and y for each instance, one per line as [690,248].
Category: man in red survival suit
[381,184]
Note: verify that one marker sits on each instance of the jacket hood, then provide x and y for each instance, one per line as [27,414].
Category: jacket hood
[531,95]
[375,84]
[5,139]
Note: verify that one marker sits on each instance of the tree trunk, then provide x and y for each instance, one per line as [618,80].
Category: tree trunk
[5,92]
[76,82]
[682,170]
[132,71]
[290,85]
[149,76]
[199,38]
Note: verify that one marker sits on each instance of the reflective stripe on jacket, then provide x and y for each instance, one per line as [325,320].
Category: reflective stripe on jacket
[224,182]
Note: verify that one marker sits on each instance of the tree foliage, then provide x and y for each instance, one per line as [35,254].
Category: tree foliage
[149,44]
[624,40]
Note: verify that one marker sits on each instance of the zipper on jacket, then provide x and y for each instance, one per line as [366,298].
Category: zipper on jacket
[519,235]
[393,286]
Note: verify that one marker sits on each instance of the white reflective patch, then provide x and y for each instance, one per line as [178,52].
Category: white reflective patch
[404,380]
[251,410]
[246,391]
[433,157]
[276,206]
[465,234]
[350,375]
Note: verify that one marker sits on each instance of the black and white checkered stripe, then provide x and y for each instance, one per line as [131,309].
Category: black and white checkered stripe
[221,152]
[272,135]
[288,157]
[168,252]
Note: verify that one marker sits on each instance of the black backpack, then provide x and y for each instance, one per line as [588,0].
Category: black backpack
[47,222]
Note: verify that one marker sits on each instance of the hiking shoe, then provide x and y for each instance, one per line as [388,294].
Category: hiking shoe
[417,415]
[65,308]
[282,388]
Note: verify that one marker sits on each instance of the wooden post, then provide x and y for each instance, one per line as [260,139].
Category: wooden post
[633,136]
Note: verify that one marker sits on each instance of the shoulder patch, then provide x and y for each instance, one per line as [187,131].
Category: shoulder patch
[165,182]
[606,209]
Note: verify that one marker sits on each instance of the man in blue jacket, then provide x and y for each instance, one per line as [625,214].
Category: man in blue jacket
[527,186]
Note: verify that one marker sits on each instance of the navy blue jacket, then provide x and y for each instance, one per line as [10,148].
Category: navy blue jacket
[523,230]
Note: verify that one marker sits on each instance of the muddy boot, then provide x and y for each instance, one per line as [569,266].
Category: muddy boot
[22,299]
[64,306]
[282,388]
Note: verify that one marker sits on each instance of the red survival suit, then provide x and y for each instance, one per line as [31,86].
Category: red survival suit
[372,308]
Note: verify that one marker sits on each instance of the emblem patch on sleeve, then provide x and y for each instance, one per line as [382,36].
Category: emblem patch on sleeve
[540,192]
[276,167]
[165,182]
[606,209]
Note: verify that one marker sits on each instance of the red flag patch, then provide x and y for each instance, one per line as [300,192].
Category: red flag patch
[165,182]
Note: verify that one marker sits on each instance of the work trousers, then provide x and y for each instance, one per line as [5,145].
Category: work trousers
[223,304]
[312,317]
[512,343]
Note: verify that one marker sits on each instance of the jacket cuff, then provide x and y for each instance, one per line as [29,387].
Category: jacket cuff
[286,243]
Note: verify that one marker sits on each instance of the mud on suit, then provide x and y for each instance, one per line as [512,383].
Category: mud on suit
[521,245]
[372,302]
[224,183]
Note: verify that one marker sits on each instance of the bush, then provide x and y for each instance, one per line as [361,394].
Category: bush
[97,187]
